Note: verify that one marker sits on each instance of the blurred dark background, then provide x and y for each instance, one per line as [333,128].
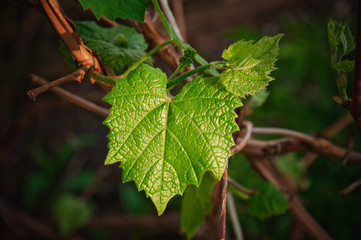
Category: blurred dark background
[52,180]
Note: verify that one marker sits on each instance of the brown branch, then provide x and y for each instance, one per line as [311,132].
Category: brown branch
[310,225]
[329,132]
[258,148]
[223,205]
[355,104]
[239,187]
[81,54]
[72,97]
[350,188]
[300,142]
[78,75]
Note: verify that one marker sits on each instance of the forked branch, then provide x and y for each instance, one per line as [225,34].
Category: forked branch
[78,75]
[72,97]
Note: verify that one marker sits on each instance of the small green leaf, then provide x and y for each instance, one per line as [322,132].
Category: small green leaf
[131,9]
[71,213]
[345,66]
[196,204]
[250,65]
[269,201]
[164,144]
[340,38]
[118,46]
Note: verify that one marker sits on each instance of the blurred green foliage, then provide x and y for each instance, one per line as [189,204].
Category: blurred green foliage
[301,99]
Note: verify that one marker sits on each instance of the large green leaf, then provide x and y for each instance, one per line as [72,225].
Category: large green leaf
[166,143]
[117,46]
[250,65]
[132,9]
[269,201]
[196,204]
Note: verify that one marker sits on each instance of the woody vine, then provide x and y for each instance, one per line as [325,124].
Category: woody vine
[179,140]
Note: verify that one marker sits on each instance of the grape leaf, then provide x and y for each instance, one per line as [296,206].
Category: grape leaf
[105,41]
[131,9]
[166,143]
[196,204]
[90,30]
[250,65]
[269,201]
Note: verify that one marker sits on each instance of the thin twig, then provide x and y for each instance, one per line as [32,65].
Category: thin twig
[78,75]
[72,97]
[234,217]
[169,14]
[240,145]
[337,126]
[239,187]
[284,132]
[350,188]
[155,38]
[329,132]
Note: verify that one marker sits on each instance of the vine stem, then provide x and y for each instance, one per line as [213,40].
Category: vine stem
[212,65]
[145,57]
[240,145]
[176,39]
[179,68]
[170,16]
[354,105]
[222,221]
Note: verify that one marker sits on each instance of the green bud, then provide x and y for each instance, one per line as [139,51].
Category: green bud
[121,41]
[189,55]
